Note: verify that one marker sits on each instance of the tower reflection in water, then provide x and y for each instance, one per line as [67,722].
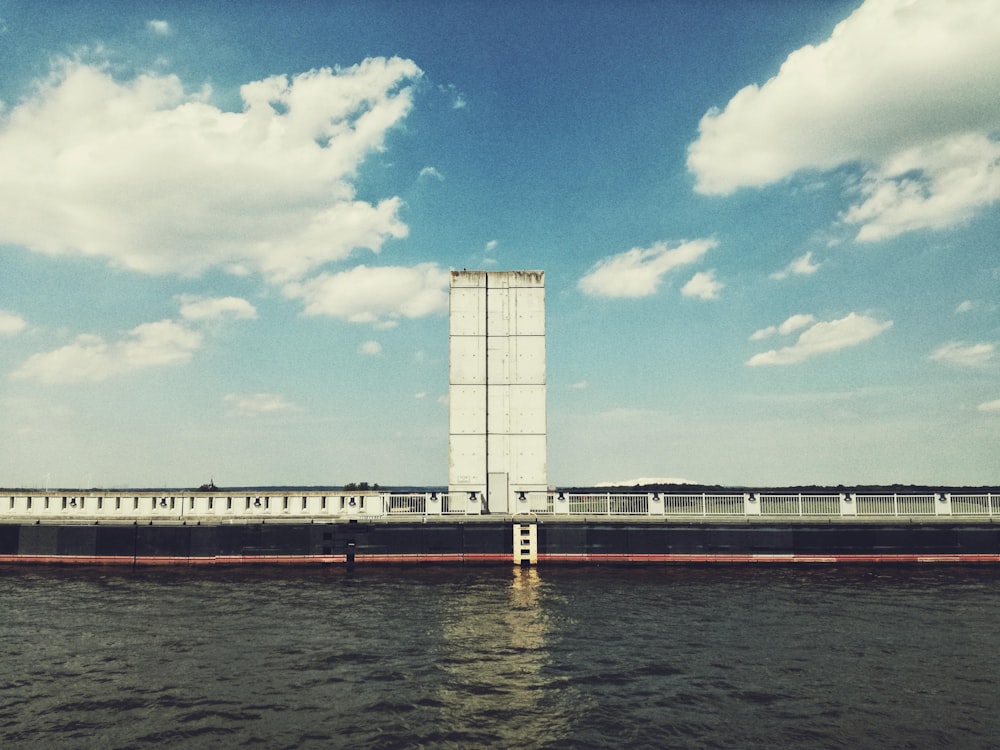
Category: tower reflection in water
[495,649]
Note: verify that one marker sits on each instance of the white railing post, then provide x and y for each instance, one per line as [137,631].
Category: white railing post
[654,504]
[848,504]
[432,504]
[942,504]
[561,504]
[751,504]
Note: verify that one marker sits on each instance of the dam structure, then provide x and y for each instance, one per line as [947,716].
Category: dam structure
[498,507]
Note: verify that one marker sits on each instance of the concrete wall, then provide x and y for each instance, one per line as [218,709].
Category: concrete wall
[497,428]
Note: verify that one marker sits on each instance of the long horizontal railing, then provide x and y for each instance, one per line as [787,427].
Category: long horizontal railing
[98,506]
[773,505]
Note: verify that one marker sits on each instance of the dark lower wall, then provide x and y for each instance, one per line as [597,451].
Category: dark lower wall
[772,538]
[351,541]
[486,541]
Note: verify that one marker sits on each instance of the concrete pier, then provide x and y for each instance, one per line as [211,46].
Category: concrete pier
[497,428]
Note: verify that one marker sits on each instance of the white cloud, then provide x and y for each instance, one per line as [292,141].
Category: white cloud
[899,87]
[370,348]
[491,246]
[211,308]
[256,404]
[964,355]
[420,395]
[638,272]
[375,295]
[161,28]
[966,306]
[11,324]
[432,173]
[703,285]
[580,385]
[91,358]
[931,186]
[990,406]
[801,266]
[822,338]
[166,342]
[158,180]
[451,91]
[794,323]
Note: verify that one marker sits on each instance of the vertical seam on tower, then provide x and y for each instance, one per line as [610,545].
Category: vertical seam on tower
[486,382]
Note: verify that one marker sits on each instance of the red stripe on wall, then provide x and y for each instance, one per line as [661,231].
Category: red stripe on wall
[766,558]
[581,558]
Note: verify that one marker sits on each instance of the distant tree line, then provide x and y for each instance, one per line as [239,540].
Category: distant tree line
[680,489]
[360,487]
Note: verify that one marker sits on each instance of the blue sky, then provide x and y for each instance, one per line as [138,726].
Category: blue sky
[769,231]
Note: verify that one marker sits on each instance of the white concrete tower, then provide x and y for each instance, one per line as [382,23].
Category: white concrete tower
[497,433]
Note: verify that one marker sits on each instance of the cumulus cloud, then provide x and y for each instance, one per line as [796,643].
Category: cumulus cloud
[792,324]
[964,355]
[212,308]
[166,342]
[11,324]
[379,295]
[703,285]
[822,338]
[431,172]
[904,88]
[155,179]
[491,246]
[990,406]
[92,358]
[801,266]
[370,348]
[930,186]
[639,271]
[159,27]
[257,404]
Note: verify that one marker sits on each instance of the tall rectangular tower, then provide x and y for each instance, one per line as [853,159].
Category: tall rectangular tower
[497,432]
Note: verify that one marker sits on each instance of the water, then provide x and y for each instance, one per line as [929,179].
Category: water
[395,657]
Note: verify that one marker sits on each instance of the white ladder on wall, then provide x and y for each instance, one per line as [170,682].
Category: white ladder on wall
[525,544]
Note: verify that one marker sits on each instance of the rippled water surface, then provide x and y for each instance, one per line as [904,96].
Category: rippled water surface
[392,657]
